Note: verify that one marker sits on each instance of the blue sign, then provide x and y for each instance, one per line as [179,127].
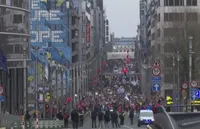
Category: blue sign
[156,86]
[195,94]
[2,98]
[155,78]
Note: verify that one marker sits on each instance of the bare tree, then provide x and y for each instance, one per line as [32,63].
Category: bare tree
[175,38]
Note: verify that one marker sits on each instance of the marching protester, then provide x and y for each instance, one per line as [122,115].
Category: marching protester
[81,118]
[107,119]
[75,118]
[122,117]
[94,118]
[131,116]
[66,117]
[100,118]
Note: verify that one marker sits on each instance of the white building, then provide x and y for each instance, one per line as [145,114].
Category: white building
[124,44]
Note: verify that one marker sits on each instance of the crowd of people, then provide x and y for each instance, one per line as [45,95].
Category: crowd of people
[108,100]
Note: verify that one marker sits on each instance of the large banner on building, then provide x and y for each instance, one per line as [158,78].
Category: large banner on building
[50,44]
[120,55]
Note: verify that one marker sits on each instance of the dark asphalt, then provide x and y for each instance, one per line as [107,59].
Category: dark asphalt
[88,125]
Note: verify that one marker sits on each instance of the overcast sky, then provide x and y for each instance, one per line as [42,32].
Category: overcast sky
[123,16]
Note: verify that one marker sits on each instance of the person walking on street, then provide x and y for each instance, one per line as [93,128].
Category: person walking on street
[66,119]
[131,116]
[81,115]
[114,118]
[75,118]
[107,119]
[121,117]
[100,118]
[94,117]
[27,116]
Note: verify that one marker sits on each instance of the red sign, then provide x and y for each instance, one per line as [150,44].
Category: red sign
[87,33]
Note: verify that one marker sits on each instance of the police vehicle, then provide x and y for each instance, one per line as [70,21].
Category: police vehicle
[146,117]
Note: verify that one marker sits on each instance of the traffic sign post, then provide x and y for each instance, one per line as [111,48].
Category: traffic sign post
[156,86]
[156,76]
[156,71]
[194,84]
[156,64]
[184,85]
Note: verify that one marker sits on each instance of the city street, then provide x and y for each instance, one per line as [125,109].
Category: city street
[88,125]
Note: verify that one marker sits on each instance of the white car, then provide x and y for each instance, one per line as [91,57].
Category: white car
[146,117]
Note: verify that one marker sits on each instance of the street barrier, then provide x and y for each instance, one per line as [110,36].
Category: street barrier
[7,120]
[163,120]
[43,123]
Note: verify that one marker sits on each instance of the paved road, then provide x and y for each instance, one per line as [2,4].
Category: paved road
[88,125]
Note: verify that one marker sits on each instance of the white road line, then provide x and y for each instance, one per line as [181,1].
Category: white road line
[127,127]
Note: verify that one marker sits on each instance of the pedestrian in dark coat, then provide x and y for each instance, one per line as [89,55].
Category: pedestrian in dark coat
[75,118]
[94,117]
[107,119]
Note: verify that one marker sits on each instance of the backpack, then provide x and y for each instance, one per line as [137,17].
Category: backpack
[66,116]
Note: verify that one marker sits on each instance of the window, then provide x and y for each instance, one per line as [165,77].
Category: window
[158,17]
[192,17]
[107,22]
[17,18]
[168,47]
[107,39]
[168,78]
[153,36]
[173,2]
[18,3]
[158,32]
[169,32]
[191,2]
[169,17]
[168,62]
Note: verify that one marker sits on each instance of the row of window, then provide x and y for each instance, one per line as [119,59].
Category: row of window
[180,2]
[170,17]
[132,50]
[122,46]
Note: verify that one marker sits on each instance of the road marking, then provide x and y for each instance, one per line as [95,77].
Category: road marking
[127,127]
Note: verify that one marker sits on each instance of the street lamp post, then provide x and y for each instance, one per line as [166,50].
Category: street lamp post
[25,44]
[36,84]
[190,62]
[174,85]
[178,76]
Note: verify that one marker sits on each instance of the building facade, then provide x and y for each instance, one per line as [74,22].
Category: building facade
[14,35]
[124,44]
[107,30]
[164,23]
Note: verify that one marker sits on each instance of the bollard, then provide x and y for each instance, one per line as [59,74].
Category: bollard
[36,120]
[23,123]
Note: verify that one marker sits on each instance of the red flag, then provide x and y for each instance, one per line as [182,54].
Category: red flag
[95,77]
[127,56]
[69,99]
[103,63]
[127,61]
[99,70]
[138,77]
